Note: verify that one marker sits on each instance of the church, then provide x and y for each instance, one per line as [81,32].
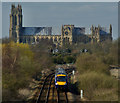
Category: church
[69,33]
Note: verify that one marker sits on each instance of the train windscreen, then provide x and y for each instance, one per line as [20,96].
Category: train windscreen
[61,78]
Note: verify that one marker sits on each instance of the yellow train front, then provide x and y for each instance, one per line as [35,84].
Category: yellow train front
[61,79]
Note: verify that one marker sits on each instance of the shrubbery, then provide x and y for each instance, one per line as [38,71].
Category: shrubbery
[69,59]
[92,81]
[64,59]
[20,63]
[90,62]
[94,72]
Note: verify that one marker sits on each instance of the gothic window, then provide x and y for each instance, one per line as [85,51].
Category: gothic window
[12,19]
[33,39]
[55,39]
[64,40]
[59,38]
[51,39]
[28,39]
[66,33]
[24,40]
[69,28]
[68,39]
[38,39]
[15,20]
[46,38]
[20,40]
[15,35]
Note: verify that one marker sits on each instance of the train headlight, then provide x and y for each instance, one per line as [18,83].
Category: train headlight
[56,83]
[65,84]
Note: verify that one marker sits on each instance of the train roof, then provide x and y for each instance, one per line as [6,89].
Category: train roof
[60,71]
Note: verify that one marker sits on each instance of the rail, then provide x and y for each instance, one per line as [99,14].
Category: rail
[43,87]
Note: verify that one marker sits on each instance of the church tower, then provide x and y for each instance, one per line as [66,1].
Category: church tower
[67,34]
[15,22]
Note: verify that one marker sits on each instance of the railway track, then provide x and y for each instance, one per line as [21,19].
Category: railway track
[45,89]
[62,96]
[47,93]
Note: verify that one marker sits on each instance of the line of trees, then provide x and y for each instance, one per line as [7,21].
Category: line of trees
[20,64]
[93,67]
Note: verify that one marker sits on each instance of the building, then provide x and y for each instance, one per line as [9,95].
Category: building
[69,33]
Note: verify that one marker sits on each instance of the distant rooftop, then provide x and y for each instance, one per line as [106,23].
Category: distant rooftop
[36,30]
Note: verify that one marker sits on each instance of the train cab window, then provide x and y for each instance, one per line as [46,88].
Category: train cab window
[61,78]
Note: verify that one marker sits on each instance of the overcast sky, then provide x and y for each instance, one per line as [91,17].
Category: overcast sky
[37,14]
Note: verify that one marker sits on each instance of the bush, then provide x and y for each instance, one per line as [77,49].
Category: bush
[94,72]
[91,81]
[69,59]
[58,60]
[91,62]
[20,63]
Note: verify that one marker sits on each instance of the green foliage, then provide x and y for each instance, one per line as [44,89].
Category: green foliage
[22,62]
[90,62]
[62,59]
[94,72]
[17,65]
[69,59]
[58,60]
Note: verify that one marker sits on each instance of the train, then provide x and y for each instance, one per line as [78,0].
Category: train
[61,79]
